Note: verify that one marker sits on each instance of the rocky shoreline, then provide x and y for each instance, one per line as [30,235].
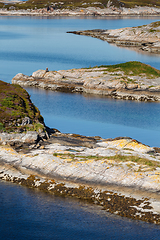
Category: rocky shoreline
[110,81]
[83,12]
[145,38]
[121,175]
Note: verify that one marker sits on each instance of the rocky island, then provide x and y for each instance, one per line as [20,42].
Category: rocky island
[144,38]
[128,81]
[121,175]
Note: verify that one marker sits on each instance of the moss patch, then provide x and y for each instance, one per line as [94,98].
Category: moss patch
[135,159]
[134,68]
[30,4]
[114,159]
[133,3]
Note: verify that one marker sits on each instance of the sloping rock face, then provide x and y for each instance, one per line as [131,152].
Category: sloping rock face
[146,37]
[108,172]
[128,81]
[29,137]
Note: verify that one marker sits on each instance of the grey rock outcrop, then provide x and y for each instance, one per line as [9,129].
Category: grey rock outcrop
[26,121]
[28,137]
[97,80]
[85,11]
[145,38]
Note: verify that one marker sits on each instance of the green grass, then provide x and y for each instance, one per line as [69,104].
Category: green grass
[149,3]
[72,4]
[1,126]
[135,159]
[30,4]
[134,68]
[15,104]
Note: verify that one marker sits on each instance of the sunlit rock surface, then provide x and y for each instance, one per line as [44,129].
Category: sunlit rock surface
[145,38]
[121,175]
[128,81]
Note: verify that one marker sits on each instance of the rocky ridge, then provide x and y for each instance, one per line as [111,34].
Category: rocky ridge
[128,81]
[145,38]
[121,175]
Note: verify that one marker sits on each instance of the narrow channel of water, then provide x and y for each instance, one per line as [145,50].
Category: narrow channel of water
[97,116]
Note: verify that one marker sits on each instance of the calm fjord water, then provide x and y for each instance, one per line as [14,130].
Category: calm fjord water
[28,44]
[27,215]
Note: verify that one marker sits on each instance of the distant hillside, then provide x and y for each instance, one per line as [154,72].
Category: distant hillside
[15,106]
[72,4]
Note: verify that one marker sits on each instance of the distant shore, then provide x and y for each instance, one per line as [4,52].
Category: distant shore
[83,12]
[145,38]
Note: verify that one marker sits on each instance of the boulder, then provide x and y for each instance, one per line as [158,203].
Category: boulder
[131,86]
[26,121]
[29,137]
[39,73]
[20,76]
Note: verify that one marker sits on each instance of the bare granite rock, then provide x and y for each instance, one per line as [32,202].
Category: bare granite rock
[115,83]
[29,137]
[88,11]
[145,38]
[111,171]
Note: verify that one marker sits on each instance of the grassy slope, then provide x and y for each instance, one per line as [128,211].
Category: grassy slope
[15,104]
[134,68]
[149,3]
[76,3]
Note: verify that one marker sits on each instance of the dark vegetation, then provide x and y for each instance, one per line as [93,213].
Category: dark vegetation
[155,24]
[32,4]
[15,105]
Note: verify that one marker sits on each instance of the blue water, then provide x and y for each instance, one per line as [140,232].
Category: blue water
[28,44]
[97,116]
[26,214]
